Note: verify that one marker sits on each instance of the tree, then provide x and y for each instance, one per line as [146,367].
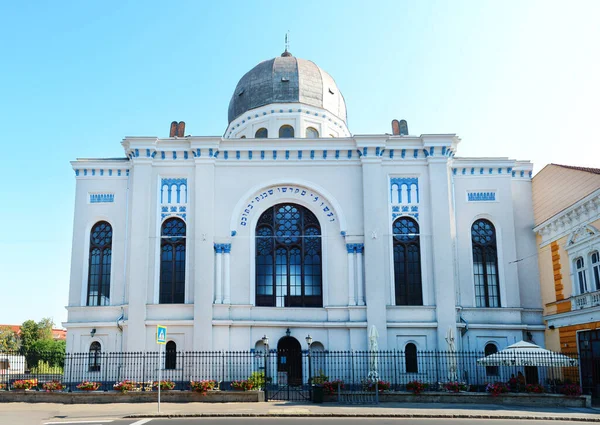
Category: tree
[29,334]
[9,340]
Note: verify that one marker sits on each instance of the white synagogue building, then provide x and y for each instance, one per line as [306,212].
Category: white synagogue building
[290,225]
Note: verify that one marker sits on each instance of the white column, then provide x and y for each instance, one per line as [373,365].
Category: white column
[218,274]
[359,273]
[350,249]
[226,274]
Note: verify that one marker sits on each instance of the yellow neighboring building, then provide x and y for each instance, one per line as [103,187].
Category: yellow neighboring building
[566,206]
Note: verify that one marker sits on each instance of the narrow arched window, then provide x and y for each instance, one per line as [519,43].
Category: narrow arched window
[489,350]
[288,258]
[410,358]
[286,132]
[596,270]
[261,133]
[407,262]
[172,262]
[312,133]
[243,137]
[485,264]
[94,357]
[99,264]
[581,277]
[171,355]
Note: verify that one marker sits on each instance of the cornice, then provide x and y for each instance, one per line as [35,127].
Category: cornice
[582,212]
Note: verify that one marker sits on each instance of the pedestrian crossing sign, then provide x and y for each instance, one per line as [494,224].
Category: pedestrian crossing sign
[161,334]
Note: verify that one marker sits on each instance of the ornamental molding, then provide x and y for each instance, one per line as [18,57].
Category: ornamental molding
[581,213]
[319,200]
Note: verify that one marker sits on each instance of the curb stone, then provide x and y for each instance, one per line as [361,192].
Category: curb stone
[366,415]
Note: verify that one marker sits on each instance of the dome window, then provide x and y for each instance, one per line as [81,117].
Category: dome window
[286,132]
[261,133]
[312,133]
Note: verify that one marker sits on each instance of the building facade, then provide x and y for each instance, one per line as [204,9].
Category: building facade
[567,215]
[290,225]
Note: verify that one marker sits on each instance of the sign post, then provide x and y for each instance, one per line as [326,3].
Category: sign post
[161,340]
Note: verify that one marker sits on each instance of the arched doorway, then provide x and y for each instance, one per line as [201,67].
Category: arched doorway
[289,361]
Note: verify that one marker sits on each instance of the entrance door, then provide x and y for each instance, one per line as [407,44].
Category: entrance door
[589,361]
[289,361]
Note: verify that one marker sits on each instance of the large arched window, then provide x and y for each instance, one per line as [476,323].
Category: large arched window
[581,277]
[286,132]
[171,355]
[94,357]
[489,350]
[596,270]
[172,262]
[410,358]
[407,262]
[288,258]
[485,264]
[99,264]
[261,133]
[312,133]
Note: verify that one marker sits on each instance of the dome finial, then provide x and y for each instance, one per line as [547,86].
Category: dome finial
[287,45]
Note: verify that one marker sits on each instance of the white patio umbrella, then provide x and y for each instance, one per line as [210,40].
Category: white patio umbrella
[373,349]
[527,354]
[452,361]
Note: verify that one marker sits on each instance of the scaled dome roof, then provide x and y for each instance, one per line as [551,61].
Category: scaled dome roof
[287,79]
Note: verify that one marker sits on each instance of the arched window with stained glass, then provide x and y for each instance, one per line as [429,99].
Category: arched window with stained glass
[407,262]
[288,258]
[172,262]
[100,258]
[485,264]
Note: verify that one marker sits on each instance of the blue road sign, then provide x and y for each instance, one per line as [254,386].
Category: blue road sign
[161,334]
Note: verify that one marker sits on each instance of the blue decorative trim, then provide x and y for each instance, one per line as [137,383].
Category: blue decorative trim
[198,152]
[499,170]
[233,233]
[490,171]
[109,173]
[404,181]
[218,248]
[101,198]
[365,151]
[127,173]
[182,209]
[101,172]
[416,153]
[353,248]
[530,174]
[472,171]
[404,208]
[481,171]
[513,173]
[403,153]
[349,153]
[93,172]
[464,171]
[377,149]
[179,182]
[395,208]
[76,172]
[226,248]
[210,152]
[509,170]
[274,154]
[343,233]
[162,155]
[216,154]
[312,154]
[443,150]
[185,155]
[414,208]
[222,248]
[431,150]
[147,153]
[391,153]
[324,154]
[226,155]
[250,155]
[337,154]
[262,154]
[481,196]
[174,155]
[454,171]
[137,153]
[522,173]
[299,154]
[153,154]
[119,173]
[164,209]
[237,154]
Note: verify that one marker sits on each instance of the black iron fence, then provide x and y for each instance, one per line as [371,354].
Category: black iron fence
[288,372]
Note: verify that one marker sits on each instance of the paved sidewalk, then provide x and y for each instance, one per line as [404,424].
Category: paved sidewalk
[72,412]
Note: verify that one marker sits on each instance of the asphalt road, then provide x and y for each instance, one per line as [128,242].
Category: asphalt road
[303,421]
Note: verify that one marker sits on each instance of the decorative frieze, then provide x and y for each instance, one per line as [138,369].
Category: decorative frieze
[488,196]
[101,198]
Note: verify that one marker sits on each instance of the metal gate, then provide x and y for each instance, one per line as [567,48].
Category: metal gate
[287,373]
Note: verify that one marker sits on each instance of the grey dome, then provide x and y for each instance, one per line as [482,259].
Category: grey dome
[287,79]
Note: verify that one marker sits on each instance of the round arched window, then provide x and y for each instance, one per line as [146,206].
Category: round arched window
[312,133]
[286,132]
[261,133]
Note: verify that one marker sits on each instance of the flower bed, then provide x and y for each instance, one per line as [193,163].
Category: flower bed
[24,384]
[331,387]
[164,385]
[417,387]
[243,385]
[496,388]
[370,385]
[52,386]
[125,386]
[88,386]
[571,390]
[455,387]
[202,386]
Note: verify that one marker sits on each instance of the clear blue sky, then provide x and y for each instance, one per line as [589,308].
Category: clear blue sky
[511,78]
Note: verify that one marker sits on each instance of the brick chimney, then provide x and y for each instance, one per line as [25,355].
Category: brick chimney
[177,129]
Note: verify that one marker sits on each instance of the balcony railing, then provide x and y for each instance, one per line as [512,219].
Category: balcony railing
[587,300]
